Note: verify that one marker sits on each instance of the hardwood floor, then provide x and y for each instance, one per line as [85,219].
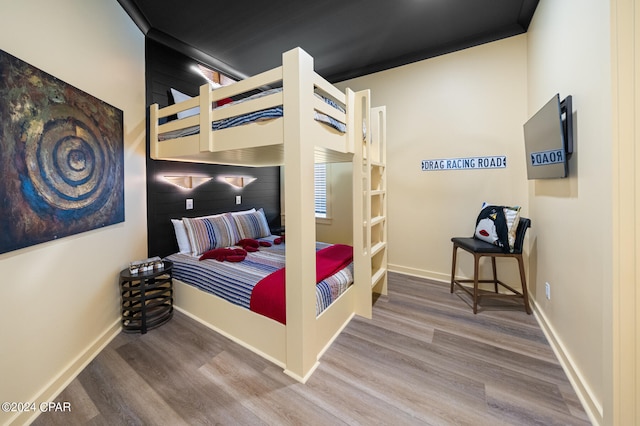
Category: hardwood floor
[423,359]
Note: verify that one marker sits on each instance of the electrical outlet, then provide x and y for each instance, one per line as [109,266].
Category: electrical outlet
[238,199]
[189,203]
[547,290]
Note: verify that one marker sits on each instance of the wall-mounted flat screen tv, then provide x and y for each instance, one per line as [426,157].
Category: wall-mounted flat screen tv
[548,140]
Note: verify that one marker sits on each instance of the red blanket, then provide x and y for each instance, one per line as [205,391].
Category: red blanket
[268,296]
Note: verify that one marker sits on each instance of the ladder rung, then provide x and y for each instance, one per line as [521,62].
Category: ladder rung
[377,276]
[376,248]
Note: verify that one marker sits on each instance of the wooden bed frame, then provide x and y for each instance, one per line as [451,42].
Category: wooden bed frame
[297,141]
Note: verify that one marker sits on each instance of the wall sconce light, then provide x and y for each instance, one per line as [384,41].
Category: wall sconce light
[187,182]
[238,181]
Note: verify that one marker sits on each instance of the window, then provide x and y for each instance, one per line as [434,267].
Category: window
[321,190]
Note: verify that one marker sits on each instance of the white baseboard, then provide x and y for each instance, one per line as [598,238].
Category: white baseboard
[590,403]
[420,273]
[51,390]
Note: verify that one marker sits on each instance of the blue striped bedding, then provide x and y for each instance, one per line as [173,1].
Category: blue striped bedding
[235,281]
[255,116]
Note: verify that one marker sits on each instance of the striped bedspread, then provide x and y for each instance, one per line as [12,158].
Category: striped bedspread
[234,282]
[255,116]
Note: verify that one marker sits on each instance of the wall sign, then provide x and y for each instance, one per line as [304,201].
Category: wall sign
[544,158]
[494,162]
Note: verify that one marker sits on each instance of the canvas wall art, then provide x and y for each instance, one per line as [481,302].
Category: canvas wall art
[61,158]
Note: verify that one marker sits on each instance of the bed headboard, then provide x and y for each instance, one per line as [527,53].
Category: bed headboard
[166,69]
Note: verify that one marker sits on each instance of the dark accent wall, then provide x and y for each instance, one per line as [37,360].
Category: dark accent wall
[167,68]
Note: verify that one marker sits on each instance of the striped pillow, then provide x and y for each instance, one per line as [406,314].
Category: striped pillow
[252,225]
[206,233]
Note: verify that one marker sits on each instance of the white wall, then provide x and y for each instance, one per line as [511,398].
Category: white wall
[569,52]
[474,102]
[59,301]
[464,104]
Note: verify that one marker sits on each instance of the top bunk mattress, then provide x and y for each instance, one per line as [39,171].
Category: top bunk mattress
[256,116]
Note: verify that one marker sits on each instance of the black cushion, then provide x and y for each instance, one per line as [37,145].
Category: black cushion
[476,245]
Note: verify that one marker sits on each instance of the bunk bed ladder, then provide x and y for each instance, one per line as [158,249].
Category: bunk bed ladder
[377,200]
[371,237]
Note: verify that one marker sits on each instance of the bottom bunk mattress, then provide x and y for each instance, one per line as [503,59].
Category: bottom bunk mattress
[257,282]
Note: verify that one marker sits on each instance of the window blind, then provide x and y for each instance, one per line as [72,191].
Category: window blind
[321,189]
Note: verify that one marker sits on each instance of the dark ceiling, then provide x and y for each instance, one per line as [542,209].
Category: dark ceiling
[347,38]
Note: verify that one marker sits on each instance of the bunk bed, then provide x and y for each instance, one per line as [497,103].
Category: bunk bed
[295,138]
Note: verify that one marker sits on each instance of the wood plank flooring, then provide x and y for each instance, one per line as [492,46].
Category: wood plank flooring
[424,359]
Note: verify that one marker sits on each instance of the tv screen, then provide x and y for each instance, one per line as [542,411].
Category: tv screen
[546,140]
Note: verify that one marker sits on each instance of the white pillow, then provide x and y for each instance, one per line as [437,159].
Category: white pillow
[184,246]
[180,97]
[513,220]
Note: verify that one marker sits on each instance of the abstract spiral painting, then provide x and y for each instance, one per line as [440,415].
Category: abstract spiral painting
[61,158]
